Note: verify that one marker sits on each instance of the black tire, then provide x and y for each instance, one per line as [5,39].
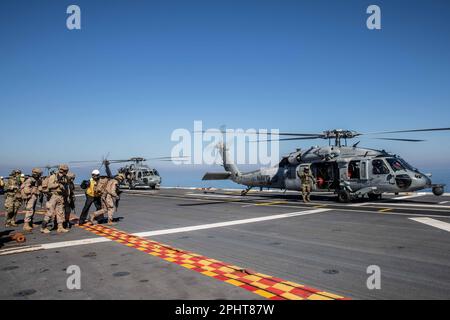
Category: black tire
[153,187]
[344,196]
[374,196]
[438,191]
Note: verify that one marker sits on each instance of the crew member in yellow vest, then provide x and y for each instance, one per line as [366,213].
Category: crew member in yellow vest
[92,197]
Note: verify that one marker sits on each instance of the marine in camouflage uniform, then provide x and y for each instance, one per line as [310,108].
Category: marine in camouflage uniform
[30,191]
[69,203]
[110,198]
[307,180]
[13,199]
[2,185]
[58,186]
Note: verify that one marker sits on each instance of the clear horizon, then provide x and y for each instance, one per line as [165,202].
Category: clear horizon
[135,73]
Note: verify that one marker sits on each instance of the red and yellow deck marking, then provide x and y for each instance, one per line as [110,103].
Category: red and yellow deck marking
[38,211]
[261,284]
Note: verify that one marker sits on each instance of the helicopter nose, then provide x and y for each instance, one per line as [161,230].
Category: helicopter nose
[419,180]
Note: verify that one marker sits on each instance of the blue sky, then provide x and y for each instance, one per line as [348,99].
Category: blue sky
[139,69]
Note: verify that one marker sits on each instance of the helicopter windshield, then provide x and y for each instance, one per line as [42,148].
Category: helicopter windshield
[395,164]
[407,165]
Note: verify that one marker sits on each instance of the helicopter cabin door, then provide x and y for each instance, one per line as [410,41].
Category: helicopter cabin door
[364,170]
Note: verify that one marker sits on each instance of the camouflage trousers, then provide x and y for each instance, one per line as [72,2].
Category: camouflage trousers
[108,207]
[306,191]
[55,207]
[12,205]
[30,208]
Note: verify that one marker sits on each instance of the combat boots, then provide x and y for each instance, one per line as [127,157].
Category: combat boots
[92,220]
[27,227]
[44,227]
[61,228]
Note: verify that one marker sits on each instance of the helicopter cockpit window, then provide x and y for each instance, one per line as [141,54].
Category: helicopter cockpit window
[354,169]
[156,173]
[379,167]
[407,165]
[139,175]
[395,164]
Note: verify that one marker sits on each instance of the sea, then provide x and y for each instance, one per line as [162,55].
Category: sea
[191,176]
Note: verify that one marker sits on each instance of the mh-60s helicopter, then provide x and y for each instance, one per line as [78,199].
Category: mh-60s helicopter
[349,171]
[137,174]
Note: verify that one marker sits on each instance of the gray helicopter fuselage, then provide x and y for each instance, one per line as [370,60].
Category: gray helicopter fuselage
[358,170]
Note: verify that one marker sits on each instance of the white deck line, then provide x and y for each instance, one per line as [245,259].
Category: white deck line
[434,223]
[65,244]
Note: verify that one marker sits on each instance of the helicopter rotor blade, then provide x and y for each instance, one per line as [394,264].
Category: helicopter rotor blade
[290,139]
[413,130]
[86,161]
[275,134]
[295,134]
[169,158]
[395,139]
[119,161]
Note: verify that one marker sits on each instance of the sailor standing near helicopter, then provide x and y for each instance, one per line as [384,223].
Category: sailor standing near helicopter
[307,180]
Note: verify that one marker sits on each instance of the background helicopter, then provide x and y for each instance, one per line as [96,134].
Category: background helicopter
[349,171]
[137,173]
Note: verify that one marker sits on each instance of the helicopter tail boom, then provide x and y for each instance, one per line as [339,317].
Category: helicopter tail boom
[217,176]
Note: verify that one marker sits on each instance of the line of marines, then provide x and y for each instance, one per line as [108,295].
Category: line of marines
[58,191]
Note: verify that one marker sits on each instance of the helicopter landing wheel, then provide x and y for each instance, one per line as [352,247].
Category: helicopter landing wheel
[438,190]
[344,196]
[374,196]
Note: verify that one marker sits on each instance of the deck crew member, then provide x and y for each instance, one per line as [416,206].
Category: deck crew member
[93,196]
[58,188]
[31,190]
[2,185]
[110,198]
[307,180]
[69,203]
[13,199]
